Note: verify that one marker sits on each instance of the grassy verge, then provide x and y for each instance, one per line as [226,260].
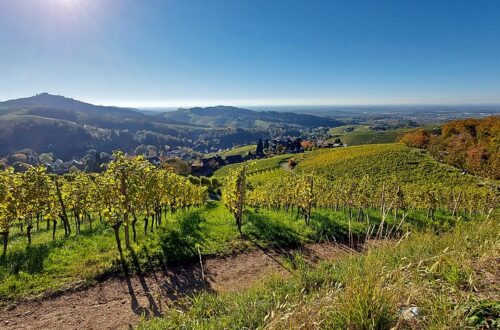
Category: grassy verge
[451,279]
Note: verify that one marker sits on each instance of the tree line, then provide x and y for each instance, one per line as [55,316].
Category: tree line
[469,144]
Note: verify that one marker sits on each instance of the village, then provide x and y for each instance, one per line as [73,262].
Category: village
[264,149]
[180,159]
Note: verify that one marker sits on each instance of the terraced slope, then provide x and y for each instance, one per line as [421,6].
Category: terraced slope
[382,162]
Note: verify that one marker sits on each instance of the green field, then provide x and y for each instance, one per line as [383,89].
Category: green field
[243,151]
[354,135]
[258,165]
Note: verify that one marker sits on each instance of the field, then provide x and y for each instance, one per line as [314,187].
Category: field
[378,161]
[354,135]
[49,266]
[255,166]
[242,150]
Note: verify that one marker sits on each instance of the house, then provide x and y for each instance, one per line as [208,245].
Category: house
[233,159]
[58,163]
[155,160]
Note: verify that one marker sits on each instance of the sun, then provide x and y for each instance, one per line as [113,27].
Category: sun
[69,3]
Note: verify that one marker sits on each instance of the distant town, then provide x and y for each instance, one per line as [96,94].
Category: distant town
[181,159]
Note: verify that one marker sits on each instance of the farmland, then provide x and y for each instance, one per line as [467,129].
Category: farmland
[344,198]
[354,135]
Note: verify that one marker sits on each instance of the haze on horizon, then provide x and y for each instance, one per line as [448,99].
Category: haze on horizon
[251,53]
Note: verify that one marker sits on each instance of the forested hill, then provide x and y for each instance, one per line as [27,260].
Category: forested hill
[237,117]
[67,127]
[46,100]
[469,144]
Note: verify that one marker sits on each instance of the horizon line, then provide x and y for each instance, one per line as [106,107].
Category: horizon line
[302,102]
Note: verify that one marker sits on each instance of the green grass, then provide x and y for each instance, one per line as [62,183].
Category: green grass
[243,150]
[354,135]
[255,166]
[47,266]
[439,274]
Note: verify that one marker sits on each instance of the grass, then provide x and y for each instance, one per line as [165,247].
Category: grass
[255,166]
[242,150]
[445,276]
[354,135]
[48,266]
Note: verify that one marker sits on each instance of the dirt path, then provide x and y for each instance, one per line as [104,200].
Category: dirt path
[118,303]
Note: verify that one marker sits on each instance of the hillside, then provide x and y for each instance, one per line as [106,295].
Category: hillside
[68,128]
[354,135]
[427,281]
[381,163]
[468,144]
[243,118]
[46,100]
[186,244]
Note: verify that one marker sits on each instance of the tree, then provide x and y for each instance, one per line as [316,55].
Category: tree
[259,151]
[35,191]
[266,144]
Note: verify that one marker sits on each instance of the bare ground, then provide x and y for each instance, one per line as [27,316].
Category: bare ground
[118,303]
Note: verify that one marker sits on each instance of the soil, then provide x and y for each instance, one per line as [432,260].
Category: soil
[118,303]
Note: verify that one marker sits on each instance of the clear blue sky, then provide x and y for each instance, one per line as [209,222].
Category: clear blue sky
[252,52]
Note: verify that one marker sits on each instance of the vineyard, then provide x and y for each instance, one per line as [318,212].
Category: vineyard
[61,232]
[354,135]
[395,199]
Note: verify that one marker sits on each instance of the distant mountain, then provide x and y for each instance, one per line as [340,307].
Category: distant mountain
[225,116]
[68,127]
[47,100]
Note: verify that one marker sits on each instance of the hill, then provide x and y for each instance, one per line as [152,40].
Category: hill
[68,128]
[46,100]
[243,118]
[469,144]
[354,135]
[380,162]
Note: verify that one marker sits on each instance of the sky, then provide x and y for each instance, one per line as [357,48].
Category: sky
[252,52]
